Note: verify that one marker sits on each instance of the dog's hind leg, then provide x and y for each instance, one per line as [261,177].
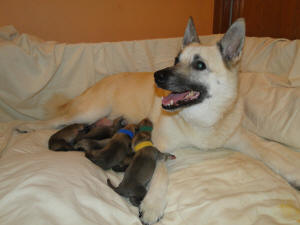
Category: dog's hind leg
[78,110]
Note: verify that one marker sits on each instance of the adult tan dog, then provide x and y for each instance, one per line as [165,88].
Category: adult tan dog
[201,108]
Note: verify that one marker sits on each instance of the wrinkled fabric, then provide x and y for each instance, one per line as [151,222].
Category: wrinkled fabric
[38,186]
[32,72]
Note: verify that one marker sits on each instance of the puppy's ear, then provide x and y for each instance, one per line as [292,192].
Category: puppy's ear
[190,34]
[232,43]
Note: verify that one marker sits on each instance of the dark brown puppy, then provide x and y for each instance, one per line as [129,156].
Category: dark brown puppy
[117,149]
[103,129]
[64,139]
[140,171]
[98,145]
[91,144]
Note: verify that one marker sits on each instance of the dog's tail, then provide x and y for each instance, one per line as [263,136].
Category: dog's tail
[57,105]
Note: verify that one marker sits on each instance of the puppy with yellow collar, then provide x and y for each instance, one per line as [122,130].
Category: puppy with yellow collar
[140,171]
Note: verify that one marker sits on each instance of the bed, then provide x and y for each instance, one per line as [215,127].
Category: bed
[38,186]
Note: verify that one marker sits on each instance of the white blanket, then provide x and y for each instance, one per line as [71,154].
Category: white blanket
[39,187]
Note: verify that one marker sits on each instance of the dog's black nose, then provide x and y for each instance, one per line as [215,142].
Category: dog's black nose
[161,76]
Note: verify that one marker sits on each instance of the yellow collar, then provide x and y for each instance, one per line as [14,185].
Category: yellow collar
[141,145]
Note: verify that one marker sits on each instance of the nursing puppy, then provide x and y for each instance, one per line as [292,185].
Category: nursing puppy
[64,139]
[141,169]
[91,144]
[103,130]
[116,150]
[201,108]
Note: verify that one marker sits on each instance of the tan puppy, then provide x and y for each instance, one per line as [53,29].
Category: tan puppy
[201,108]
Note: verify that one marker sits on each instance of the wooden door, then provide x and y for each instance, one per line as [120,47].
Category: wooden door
[264,18]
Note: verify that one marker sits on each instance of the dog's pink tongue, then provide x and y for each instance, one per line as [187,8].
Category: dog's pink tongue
[173,96]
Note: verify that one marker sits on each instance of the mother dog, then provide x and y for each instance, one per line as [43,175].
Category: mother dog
[194,103]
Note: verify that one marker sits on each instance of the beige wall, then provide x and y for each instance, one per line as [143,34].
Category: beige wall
[106,20]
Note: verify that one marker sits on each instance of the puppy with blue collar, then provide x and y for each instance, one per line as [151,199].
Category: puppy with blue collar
[140,171]
[116,150]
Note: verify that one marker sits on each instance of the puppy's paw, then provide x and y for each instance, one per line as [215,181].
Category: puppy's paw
[151,212]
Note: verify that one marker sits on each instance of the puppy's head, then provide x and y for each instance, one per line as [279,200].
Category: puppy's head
[132,127]
[203,76]
[119,123]
[140,137]
[145,123]
[145,127]
[69,133]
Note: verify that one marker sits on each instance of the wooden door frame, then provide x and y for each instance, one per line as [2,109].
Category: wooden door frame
[225,12]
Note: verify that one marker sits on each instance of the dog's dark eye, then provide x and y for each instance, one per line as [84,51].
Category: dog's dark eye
[199,65]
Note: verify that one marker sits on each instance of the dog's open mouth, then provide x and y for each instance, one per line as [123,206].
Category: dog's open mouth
[176,100]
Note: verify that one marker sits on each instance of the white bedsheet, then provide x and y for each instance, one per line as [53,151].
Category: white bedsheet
[39,187]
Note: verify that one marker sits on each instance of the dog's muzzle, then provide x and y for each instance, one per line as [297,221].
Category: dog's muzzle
[184,92]
[161,77]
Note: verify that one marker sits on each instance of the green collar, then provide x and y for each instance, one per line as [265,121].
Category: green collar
[145,128]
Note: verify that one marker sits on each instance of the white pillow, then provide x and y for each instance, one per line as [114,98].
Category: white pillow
[272,108]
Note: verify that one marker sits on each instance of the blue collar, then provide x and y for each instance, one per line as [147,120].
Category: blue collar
[128,132]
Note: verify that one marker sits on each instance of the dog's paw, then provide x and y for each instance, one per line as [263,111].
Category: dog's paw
[151,212]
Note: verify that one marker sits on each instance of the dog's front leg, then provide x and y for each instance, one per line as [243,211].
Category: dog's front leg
[279,158]
[153,206]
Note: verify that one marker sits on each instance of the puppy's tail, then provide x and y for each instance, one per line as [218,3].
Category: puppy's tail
[116,189]
[57,105]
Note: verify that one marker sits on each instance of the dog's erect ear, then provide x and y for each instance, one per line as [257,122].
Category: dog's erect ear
[190,34]
[232,43]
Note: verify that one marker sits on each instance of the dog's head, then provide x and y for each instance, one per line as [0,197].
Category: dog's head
[203,76]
